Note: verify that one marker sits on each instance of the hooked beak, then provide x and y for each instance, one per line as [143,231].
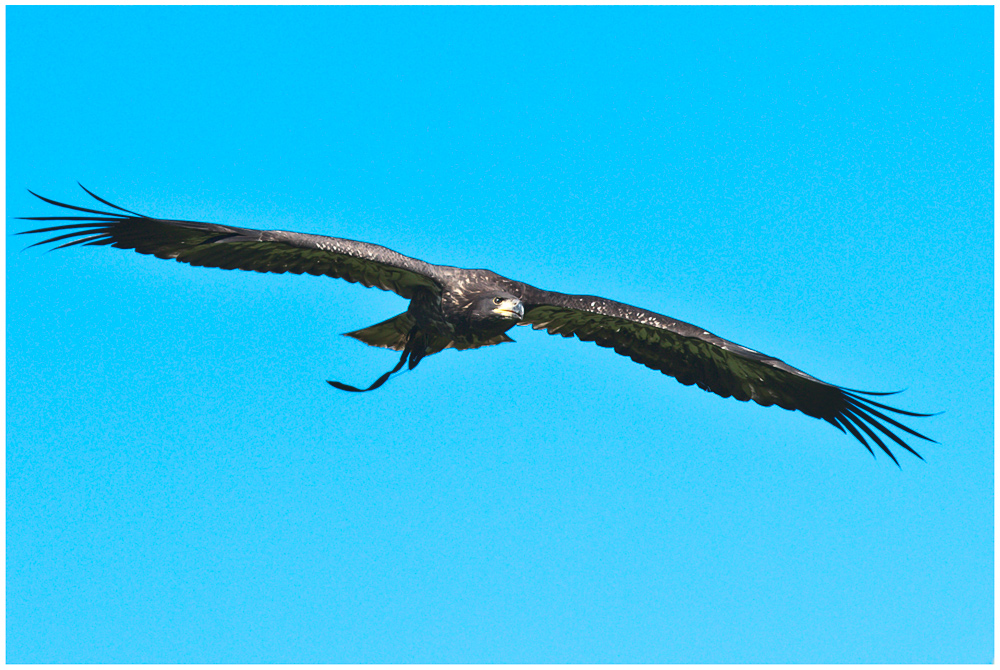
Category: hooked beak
[511,310]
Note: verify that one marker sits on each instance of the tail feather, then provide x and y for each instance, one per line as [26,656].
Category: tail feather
[393,333]
[390,334]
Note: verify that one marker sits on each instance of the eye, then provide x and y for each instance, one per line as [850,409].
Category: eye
[497,300]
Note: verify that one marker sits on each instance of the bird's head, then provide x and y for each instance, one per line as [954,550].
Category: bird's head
[497,307]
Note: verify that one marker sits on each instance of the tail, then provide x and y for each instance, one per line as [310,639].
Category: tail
[401,333]
[391,333]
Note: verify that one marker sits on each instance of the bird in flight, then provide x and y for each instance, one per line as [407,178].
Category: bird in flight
[466,309]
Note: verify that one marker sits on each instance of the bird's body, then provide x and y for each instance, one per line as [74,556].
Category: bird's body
[459,308]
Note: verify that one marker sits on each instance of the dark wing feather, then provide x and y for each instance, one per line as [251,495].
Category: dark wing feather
[695,356]
[230,248]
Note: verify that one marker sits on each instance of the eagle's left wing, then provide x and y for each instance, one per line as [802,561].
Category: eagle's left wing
[695,356]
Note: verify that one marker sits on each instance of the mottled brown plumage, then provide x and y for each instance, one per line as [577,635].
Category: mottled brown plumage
[465,309]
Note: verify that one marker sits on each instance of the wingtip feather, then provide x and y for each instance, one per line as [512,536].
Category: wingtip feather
[105,202]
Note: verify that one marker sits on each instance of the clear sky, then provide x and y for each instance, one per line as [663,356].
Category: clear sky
[814,183]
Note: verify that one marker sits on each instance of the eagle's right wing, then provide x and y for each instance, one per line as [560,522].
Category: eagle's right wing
[229,247]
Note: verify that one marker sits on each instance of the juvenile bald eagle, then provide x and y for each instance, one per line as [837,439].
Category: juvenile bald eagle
[465,309]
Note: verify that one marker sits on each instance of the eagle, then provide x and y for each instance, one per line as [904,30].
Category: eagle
[458,308]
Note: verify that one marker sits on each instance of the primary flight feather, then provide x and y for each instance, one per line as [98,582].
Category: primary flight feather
[464,309]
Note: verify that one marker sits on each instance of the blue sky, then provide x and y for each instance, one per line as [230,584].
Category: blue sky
[814,183]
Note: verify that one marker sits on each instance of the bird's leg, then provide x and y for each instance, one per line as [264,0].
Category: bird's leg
[412,351]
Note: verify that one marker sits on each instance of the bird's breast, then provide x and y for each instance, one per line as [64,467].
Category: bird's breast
[427,310]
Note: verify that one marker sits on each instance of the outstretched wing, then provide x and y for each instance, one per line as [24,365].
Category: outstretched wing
[696,356]
[229,247]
